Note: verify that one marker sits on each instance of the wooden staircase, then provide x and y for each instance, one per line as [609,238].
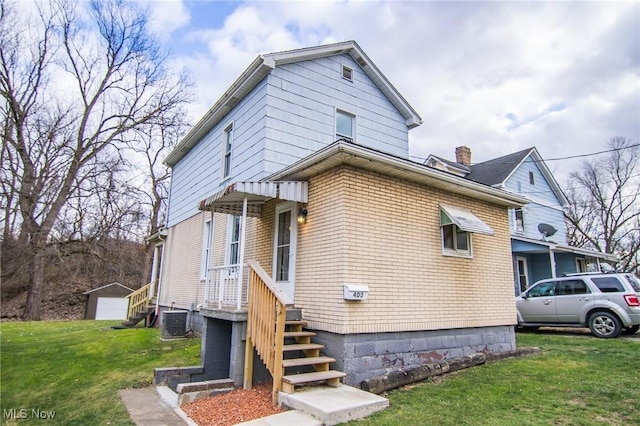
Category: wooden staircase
[140,306]
[271,333]
[134,319]
[308,365]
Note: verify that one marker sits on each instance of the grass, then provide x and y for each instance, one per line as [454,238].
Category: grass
[76,368]
[578,380]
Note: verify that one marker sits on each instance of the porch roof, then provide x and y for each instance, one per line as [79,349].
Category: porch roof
[528,245]
[230,199]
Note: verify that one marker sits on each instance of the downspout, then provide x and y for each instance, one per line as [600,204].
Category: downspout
[243,228]
[552,259]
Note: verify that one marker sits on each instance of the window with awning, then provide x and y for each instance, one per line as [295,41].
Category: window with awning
[457,226]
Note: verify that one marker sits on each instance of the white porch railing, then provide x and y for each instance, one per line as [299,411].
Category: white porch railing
[224,288]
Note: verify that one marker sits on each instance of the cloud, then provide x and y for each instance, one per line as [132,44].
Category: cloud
[168,16]
[495,76]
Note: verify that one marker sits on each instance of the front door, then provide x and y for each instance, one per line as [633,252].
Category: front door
[284,248]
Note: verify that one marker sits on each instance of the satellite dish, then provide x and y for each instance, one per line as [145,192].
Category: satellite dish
[546,230]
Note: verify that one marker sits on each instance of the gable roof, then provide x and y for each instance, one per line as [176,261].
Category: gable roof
[497,171]
[459,167]
[344,152]
[109,285]
[263,64]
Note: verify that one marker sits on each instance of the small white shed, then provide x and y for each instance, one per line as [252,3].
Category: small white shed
[108,302]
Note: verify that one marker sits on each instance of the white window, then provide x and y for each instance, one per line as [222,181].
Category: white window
[206,249]
[518,220]
[233,240]
[523,273]
[456,226]
[345,124]
[227,147]
[455,241]
[581,264]
[532,179]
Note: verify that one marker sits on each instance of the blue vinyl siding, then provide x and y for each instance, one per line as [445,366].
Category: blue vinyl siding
[518,183]
[198,174]
[544,207]
[288,116]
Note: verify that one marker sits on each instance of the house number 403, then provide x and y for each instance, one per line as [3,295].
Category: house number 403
[358,294]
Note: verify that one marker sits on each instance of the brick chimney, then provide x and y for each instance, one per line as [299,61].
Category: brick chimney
[463,155]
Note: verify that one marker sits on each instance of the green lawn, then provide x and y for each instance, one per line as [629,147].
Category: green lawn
[75,369]
[578,380]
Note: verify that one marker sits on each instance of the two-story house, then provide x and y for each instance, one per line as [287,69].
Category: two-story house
[295,190]
[538,230]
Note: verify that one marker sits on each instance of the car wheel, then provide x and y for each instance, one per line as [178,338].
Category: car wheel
[631,330]
[605,325]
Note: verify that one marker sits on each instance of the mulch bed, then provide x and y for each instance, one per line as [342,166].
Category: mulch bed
[234,407]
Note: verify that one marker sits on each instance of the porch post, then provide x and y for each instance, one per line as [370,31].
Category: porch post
[243,228]
[552,260]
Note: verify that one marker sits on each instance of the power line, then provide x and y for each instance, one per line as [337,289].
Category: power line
[570,157]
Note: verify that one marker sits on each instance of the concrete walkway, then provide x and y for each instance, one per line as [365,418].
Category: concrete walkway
[146,408]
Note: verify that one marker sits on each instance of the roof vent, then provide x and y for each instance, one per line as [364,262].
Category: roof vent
[347,73]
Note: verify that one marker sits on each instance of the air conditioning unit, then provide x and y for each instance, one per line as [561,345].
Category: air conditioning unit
[174,324]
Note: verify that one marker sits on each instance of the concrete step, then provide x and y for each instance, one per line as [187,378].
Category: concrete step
[288,418]
[300,362]
[301,347]
[333,405]
[204,385]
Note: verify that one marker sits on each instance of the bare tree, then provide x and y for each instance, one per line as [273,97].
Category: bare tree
[604,199]
[75,89]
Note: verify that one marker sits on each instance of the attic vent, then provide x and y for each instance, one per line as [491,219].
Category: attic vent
[347,73]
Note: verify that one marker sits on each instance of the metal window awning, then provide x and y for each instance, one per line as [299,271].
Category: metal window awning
[464,219]
[230,199]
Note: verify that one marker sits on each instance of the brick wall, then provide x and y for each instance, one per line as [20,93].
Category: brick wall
[366,228]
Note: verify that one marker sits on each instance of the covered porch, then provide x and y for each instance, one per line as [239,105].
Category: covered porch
[226,285]
[535,260]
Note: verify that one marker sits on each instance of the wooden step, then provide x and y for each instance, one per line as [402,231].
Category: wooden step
[303,323]
[298,334]
[301,347]
[332,377]
[300,362]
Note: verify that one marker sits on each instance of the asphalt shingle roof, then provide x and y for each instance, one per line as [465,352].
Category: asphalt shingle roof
[496,170]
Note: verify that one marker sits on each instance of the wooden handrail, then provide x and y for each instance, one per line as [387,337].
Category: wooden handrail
[265,327]
[138,300]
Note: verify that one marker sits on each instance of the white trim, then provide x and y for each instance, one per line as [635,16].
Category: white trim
[354,122]
[468,254]
[390,165]
[207,243]
[526,272]
[229,241]
[228,130]
[289,285]
[342,68]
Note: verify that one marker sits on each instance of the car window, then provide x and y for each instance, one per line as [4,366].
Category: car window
[543,290]
[571,287]
[608,284]
[634,282]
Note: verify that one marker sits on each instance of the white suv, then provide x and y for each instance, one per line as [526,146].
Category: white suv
[609,304]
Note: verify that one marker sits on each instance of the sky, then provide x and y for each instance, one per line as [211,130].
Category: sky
[496,76]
